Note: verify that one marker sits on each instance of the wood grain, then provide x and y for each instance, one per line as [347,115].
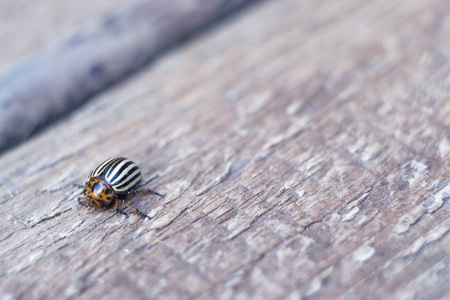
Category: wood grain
[303,148]
[123,40]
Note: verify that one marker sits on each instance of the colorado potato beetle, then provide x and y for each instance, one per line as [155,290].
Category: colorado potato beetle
[111,182]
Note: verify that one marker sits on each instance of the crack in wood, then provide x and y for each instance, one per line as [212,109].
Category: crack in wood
[48,218]
[250,225]
[173,219]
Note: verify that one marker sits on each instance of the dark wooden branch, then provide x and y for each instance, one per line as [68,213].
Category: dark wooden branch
[57,80]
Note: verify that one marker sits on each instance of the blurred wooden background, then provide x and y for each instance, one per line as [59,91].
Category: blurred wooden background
[303,147]
[60,71]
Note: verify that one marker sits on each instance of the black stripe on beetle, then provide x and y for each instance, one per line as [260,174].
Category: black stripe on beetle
[112,180]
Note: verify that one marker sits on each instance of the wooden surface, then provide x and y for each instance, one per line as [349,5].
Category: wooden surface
[303,148]
[122,40]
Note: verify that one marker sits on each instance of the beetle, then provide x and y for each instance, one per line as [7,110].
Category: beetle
[110,182]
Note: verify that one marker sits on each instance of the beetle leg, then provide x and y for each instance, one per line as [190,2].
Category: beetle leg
[82,203]
[116,204]
[79,185]
[155,193]
[122,212]
[136,211]
[117,209]
[144,192]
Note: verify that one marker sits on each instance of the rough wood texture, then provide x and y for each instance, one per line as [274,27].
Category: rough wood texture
[59,79]
[303,149]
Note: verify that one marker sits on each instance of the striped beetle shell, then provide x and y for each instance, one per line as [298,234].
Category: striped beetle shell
[112,178]
[119,172]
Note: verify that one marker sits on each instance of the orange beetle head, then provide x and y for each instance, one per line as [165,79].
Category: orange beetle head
[98,192]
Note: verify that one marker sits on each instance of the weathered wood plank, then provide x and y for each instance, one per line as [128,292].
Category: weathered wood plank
[63,76]
[303,149]
[27,27]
